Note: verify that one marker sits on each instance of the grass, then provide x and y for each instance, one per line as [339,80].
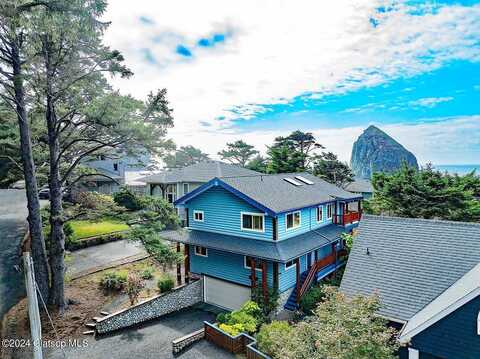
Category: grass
[84,229]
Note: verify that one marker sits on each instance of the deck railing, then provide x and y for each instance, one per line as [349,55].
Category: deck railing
[347,218]
[318,265]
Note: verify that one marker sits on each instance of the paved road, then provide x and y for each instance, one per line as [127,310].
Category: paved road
[13,214]
[103,254]
[152,340]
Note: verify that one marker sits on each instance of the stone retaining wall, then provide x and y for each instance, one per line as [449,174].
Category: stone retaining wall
[179,298]
[181,343]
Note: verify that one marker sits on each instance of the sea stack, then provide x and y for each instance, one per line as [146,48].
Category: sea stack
[375,151]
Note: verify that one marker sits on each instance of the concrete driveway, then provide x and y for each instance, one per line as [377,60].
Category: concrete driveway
[90,258]
[13,226]
[151,340]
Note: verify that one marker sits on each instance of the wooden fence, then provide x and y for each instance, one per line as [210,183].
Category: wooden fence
[241,343]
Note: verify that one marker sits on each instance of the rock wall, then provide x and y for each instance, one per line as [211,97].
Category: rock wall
[179,298]
[375,151]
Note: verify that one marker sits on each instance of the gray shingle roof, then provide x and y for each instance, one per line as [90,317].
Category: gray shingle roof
[273,192]
[279,251]
[200,172]
[410,261]
[360,185]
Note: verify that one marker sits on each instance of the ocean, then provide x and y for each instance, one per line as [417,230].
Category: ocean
[458,169]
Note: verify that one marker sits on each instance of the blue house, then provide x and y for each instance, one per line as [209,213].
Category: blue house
[278,231]
[427,276]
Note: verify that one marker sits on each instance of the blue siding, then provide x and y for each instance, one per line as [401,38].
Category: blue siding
[226,266]
[287,277]
[222,214]
[453,337]
[308,222]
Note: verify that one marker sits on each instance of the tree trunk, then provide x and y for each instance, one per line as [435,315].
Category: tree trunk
[33,203]
[57,236]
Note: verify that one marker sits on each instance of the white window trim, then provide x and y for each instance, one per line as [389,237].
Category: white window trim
[413,353]
[251,229]
[299,224]
[291,266]
[199,254]
[188,188]
[323,214]
[333,209]
[247,267]
[198,211]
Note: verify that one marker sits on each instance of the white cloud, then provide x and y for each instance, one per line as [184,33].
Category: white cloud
[440,141]
[429,101]
[278,49]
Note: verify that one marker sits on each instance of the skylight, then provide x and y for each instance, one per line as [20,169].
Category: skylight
[304,180]
[292,181]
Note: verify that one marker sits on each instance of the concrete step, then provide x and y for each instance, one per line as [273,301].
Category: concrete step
[91,325]
[104,313]
[97,319]
[89,332]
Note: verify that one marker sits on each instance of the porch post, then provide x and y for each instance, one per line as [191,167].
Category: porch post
[253,275]
[275,276]
[179,267]
[187,263]
[297,284]
[343,213]
[359,208]
[264,281]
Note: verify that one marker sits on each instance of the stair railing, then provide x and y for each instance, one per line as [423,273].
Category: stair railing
[312,272]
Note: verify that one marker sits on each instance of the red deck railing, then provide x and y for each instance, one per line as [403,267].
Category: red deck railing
[347,218]
[330,259]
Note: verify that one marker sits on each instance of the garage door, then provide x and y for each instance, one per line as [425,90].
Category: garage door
[225,294]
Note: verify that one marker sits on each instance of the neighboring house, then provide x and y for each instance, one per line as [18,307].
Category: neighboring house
[273,231]
[427,276]
[177,182]
[361,186]
[114,173]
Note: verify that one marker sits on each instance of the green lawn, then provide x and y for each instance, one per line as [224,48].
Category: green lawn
[83,229]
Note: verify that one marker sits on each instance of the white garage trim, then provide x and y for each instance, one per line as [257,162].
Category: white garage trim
[224,294]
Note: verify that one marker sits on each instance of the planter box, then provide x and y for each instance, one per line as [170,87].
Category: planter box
[241,343]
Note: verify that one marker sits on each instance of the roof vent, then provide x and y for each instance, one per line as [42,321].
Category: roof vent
[292,181]
[304,180]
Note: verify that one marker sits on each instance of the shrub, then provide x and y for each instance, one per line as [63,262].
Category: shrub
[233,329]
[245,319]
[114,280]
[147,273]
[93,200]
[165,284]
[134,286]
[128,199]
[270,335]
[310,300]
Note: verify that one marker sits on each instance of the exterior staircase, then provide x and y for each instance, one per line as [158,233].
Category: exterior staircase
[292,300]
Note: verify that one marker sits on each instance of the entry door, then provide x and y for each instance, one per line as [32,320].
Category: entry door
[225,294]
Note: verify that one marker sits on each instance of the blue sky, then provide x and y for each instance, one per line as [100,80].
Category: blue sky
[257,69]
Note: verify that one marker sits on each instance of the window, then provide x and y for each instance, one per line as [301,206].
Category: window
[290,264]
[252,222]
[186,188]
[248,263]
[201,251]
[320,214]
[293,220]
[171,193]
[329,211]
[115,166]
[198,216]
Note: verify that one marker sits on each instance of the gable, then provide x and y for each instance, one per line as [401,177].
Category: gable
[454,336]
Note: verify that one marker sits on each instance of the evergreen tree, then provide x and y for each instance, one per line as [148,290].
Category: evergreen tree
[426,194]
[328,167]
[185,156]
[258,163]
[238,152]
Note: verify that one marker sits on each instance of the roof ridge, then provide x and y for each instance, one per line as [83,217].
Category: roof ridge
[410,219]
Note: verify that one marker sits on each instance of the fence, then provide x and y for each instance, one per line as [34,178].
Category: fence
[241,343]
